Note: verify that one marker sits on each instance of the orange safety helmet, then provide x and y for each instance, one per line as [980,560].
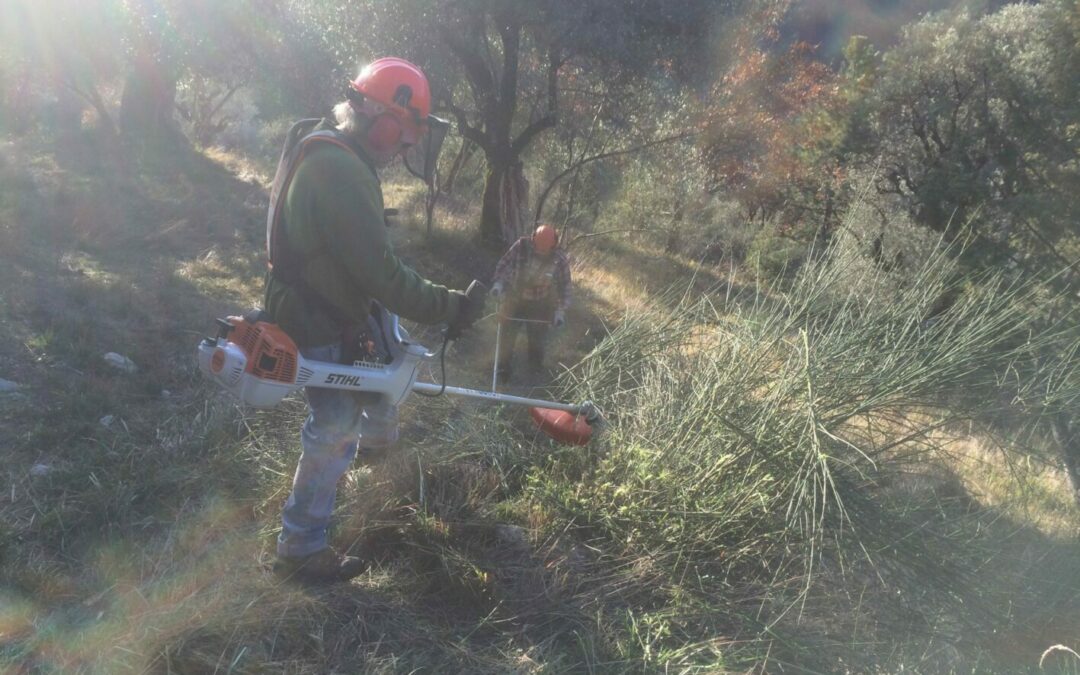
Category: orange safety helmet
[402,88]
[545,239]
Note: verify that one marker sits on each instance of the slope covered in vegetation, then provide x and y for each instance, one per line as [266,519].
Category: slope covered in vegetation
[825,296]
[789,479]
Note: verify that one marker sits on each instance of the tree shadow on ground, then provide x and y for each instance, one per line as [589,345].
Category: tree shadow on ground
[105,251]
[955,582]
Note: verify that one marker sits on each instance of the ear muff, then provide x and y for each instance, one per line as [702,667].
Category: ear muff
[384,132]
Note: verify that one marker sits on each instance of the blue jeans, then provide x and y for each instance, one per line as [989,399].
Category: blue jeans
[339,422]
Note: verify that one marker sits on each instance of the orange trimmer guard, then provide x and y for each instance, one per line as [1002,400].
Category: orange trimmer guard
[564,427]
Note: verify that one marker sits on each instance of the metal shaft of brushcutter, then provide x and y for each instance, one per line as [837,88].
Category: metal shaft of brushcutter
[520,320]
[498,344]
[585,409]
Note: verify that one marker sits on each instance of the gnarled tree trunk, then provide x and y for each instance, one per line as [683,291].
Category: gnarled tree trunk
[506,201]
[491,227]
[148,101]
[496,92]
[464,154]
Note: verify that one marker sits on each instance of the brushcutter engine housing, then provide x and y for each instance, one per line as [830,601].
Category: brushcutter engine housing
[261,365]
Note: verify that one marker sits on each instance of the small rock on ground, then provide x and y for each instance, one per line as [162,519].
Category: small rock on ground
[40,470]
[121,362]
[511,535]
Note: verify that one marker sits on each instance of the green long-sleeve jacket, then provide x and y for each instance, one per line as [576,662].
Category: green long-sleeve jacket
[333,218]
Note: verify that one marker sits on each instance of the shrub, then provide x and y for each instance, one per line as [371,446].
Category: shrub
[772,255]
[750,463]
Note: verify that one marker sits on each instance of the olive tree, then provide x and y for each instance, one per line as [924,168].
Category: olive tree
[974,123]
[65,47]
[500,68]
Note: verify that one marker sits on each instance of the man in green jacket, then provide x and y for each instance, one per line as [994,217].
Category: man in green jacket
[330,258]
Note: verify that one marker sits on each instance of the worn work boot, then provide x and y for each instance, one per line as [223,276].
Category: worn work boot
[324,567]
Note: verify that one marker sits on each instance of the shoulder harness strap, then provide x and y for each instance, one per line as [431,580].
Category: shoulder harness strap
[282,260]
[278,252]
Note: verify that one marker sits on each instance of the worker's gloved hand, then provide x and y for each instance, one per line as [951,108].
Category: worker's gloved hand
[559,320]
[497,290]
[470,309]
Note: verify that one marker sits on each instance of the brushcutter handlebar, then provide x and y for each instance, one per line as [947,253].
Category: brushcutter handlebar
[470,309]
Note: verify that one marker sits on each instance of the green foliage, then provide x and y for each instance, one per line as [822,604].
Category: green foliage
[774,256]
[973,121]
[191,55]
[968,123]
[622,159]
[61,47]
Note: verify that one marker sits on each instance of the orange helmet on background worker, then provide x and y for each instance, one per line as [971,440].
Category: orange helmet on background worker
[545,239]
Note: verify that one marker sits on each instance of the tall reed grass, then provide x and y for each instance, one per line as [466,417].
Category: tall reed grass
[759,457]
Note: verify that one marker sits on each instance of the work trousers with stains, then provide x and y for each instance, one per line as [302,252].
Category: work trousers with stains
[533,311]
[339,422]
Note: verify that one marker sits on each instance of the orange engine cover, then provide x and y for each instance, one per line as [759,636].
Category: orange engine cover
[271,354]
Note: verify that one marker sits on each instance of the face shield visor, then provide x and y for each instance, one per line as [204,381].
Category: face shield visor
[422,157]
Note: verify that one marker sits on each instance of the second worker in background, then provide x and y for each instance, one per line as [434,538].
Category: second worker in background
[532,283]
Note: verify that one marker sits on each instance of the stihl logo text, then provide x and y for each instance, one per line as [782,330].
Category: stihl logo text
[347,380]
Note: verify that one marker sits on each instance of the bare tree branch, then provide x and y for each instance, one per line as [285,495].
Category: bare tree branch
[225,99]
[551,118]
[604,233]
[93,97]
[603,155]
[479,75]
[510,35]
[469,132]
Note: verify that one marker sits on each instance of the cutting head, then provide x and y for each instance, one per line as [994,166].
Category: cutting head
[564,427]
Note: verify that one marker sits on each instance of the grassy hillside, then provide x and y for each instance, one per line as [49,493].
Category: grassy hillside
[799,480]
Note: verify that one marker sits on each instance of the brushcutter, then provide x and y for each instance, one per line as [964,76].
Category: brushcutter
[260,364]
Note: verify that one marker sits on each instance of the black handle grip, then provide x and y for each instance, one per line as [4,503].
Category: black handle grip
[224,328]
[473,306]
